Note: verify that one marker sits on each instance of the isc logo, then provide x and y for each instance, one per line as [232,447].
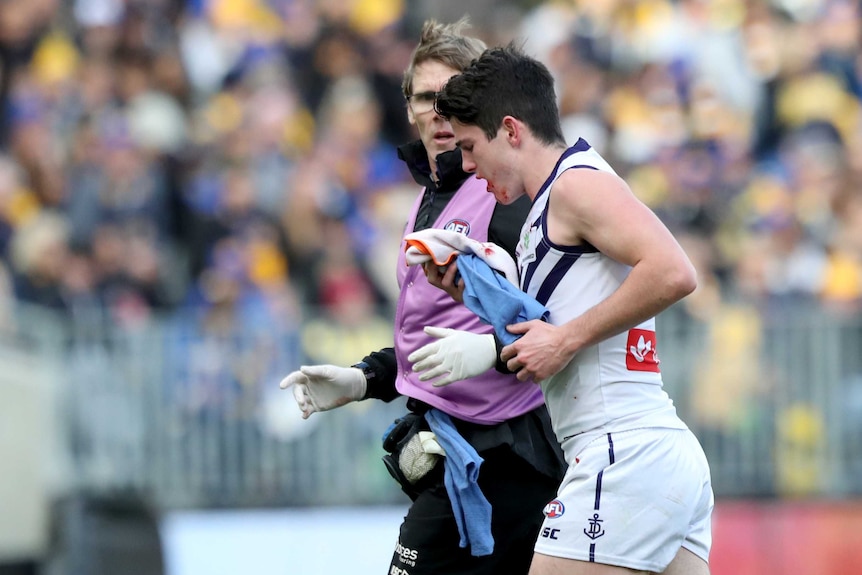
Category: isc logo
[549,533]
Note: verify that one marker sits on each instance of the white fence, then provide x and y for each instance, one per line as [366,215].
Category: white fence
[192,421]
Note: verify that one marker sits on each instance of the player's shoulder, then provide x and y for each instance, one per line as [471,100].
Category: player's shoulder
[589,174]
[584,180]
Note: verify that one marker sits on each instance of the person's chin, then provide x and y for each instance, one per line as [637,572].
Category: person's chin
[501,196]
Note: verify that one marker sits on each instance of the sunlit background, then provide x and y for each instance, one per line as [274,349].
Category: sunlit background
[197,196]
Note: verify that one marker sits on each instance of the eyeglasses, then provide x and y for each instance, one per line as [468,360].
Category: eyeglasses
[422,102]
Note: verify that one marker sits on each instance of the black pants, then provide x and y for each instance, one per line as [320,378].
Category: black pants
[429,542]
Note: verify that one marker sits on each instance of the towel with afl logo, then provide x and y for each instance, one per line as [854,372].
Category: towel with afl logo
[494,297]
[443,246]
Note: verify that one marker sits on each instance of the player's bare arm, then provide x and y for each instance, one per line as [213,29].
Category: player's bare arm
[601,209]
[589,206]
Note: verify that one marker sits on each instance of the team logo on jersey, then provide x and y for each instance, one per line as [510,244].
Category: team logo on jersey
[524,251]
[641,352]
[554,509]
[460,226]
[594,530]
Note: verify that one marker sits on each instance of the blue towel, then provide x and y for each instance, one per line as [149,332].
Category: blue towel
[494,299]
[461,472]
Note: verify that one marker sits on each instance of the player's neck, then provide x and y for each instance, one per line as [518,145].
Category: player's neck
[542,160]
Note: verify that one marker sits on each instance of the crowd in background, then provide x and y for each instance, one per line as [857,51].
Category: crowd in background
[231,164]
[241,154]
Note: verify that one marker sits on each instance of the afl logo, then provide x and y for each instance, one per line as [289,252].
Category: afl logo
[460,226]
[554,509]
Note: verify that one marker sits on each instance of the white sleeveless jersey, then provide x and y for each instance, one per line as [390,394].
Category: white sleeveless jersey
[616,384]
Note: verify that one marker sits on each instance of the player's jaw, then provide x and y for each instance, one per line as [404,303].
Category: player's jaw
[501,193]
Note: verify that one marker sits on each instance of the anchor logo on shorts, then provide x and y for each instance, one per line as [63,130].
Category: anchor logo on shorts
[594,531]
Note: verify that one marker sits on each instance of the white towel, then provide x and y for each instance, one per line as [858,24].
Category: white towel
[443,246]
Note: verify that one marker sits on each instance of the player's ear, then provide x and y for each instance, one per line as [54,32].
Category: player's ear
[512,128]
[411,117]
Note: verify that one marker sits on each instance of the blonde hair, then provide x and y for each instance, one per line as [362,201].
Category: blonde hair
[443,43]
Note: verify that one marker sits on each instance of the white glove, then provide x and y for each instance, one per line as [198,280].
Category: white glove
[456,355]
[325,387]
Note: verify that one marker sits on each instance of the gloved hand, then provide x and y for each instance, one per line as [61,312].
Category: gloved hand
[325,387]
[456,355]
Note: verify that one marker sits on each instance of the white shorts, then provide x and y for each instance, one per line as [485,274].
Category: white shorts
[632,499]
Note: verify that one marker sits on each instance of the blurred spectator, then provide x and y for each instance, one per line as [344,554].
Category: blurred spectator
[168,127]
[17,203]
[842,282]
[733,395]
[800,449]
[39,250]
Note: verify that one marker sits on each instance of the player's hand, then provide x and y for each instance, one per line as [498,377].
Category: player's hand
[447,279]
[456,355]
[538,353]
[324,387]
